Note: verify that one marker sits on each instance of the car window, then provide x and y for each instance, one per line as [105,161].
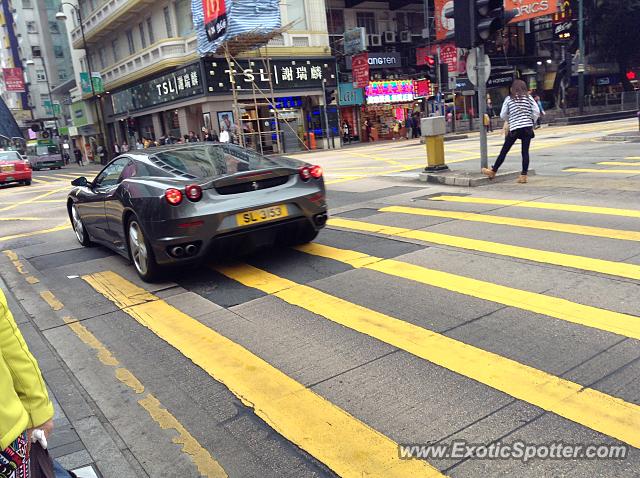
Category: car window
[129,171]
[206,161]
[9,156]
[110,176]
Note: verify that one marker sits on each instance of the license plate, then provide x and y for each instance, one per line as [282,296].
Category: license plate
[7,169]
[10,178]
[256,216]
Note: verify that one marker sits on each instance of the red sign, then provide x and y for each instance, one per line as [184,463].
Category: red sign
[215,18]
[423,88]
[360,69]
[528,9]
[13,79]
[449,56]
[443,24]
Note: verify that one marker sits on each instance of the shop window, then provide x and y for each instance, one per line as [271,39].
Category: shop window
[167,22]
[335,21]
[368,21]
[32,27]
[152,38]
[296,13]
[58,52]
[132,48]
[185,19]
[143,39]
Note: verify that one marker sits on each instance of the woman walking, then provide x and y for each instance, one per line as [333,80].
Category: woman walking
[522,112]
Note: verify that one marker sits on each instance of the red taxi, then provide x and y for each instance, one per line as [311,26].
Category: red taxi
[14,169]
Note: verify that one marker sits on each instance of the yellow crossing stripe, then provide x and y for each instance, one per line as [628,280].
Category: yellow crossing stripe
[20,219]
[541,205]
[618,163]
[604,171]
[344,444]
[41,181]
[621,269]
[596,410]
[527,223]
[67,176]
[37,198]
[35,233]
[562,309]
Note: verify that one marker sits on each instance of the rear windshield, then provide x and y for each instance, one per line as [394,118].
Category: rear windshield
[9,156]
[211,160]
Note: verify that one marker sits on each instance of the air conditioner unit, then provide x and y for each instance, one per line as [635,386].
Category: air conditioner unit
[389,37]
[375,39]
[405,36]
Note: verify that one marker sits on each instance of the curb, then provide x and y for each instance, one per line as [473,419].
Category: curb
[466,179]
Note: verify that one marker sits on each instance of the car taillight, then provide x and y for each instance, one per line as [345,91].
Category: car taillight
[194,192]
[305,173]
[173,196]
[316,171]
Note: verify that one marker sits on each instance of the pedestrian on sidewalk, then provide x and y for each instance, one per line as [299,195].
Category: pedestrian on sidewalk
[542,112]
[346,133]
[78,154]
[521,111]
[24,401]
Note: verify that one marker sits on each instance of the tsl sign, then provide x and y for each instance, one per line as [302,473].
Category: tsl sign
[528,9]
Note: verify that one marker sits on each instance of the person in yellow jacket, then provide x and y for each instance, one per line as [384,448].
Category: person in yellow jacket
[24,401]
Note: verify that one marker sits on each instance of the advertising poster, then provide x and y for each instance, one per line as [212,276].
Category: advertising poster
[443,25]
[360,69]
[449,56]
[13,79]
[215,18]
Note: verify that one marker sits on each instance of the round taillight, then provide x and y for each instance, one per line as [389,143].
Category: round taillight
[305,173]
[173,196]
[193,192]
[316,171]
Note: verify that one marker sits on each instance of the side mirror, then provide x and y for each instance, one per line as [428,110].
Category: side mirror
[81,181]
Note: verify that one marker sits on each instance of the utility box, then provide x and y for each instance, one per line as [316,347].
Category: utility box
[434,126]
[433,129]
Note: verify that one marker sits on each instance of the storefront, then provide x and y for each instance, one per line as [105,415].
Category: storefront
[350,100]
[389,103]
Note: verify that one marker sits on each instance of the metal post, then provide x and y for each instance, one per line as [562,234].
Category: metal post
[326,117]
[581,61]
[482,105]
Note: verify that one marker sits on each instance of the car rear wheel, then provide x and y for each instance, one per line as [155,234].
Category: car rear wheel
[141,252]
[27,182]
[78,227]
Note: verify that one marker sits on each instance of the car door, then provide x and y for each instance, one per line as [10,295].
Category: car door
[114,207]
[103,189]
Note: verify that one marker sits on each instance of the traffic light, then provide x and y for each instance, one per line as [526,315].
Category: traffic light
[477,20]
[330,97]
[431,68]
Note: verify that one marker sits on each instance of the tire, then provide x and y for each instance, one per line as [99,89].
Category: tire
[307,235]
[27,182]
[78,227]
[141,252]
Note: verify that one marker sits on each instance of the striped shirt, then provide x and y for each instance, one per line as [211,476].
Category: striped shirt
[520,112]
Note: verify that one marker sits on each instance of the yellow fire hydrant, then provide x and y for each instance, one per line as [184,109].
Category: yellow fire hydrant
[433,130]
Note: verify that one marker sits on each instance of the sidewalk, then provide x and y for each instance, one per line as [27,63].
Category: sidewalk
[65,444]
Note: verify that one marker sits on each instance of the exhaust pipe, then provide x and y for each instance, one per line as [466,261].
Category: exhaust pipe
[190,250]
[177,251]
[320,219]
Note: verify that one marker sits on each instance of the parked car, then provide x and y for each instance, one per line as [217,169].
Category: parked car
[44,153]
[13,168]
[177,204]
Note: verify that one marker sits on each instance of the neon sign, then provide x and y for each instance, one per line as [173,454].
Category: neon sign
[393,91]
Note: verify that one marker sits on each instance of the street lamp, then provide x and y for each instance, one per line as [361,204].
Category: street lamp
[31,62]
[61,16]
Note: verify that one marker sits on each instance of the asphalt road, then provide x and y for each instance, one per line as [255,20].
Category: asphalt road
[422,315]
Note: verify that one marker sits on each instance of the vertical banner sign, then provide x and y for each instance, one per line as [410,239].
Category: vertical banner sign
[215,18]
[443,25]
[360,70]
[13,79]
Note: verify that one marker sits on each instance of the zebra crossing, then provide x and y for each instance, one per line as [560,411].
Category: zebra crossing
[347,436]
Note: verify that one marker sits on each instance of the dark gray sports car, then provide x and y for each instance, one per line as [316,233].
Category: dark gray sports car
[176,204]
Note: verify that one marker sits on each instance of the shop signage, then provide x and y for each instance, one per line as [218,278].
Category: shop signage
[285,74]
[424,88]
[349,95]
[443,24]
[449,56]
[215,18]
[378,61]
[96,77]
[500,80]
[564,30]
[178,85]
[360,70]
[463,84]
[393,91]
[13,79]
[528,9]
[355,41]
[79,114]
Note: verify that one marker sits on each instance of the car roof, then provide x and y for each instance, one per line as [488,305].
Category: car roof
[145,153]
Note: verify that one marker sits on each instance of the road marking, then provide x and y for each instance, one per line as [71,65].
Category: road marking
[344,444]
[35,233]
[633,157]
[27,201]
[629,172]
[50,299]
[66,176]
[541,205]
[620,269]
[618,163]
[555,307]
[20,219]
[604,413]
[17,263]
[41,181]
[515,222]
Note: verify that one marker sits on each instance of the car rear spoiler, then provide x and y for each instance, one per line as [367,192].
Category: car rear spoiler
[246,176]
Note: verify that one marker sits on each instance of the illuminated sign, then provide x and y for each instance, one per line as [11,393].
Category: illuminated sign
[393,91]
[528,9]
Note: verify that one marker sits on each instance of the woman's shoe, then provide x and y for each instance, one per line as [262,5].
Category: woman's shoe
[522,179]
[490,173]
